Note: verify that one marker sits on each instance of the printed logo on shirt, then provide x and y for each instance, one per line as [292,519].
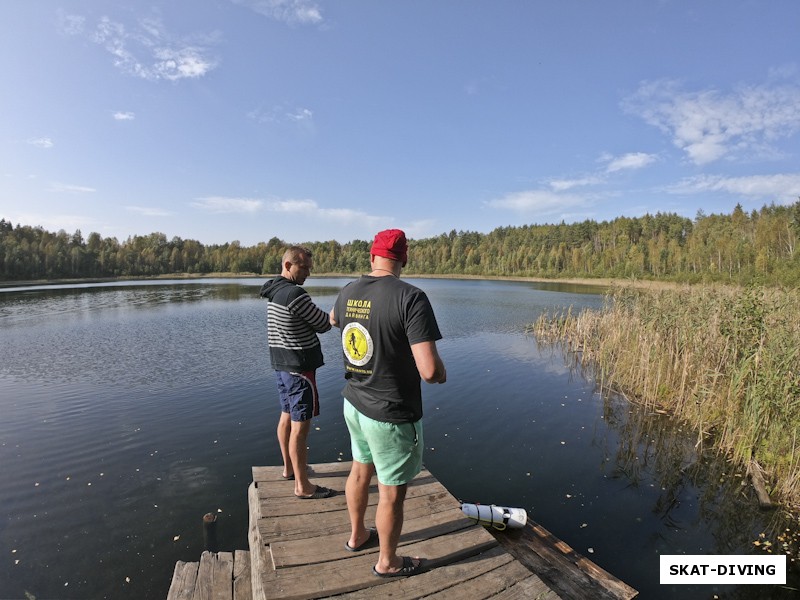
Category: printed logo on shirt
[358,309]
[357,344]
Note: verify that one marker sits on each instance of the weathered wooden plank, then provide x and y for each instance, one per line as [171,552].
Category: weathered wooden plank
[354,573]
[274,473]
[279,507]
[260,562]
[457,576]
[569,573]
[488,584]
[214,577]
[282,488]
[324,548]
[530,588]
[183,581]
[242,581]
[306,541]
[331,523]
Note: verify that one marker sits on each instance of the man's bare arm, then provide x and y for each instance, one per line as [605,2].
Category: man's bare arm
[429,363]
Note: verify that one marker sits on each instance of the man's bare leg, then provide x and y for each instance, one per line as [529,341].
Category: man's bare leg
[284,433]
[357,492]
[298,452]
[389,521]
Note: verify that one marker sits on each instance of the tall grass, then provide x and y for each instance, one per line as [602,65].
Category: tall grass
[725,360]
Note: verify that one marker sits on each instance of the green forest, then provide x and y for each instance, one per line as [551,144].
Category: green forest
[740,247]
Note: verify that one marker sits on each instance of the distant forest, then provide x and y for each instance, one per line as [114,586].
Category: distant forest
[759,247]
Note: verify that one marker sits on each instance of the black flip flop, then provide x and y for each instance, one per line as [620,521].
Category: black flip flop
[370,541]
[319,493]
[407,570]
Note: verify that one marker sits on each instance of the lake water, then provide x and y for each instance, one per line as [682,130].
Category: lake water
[129,410]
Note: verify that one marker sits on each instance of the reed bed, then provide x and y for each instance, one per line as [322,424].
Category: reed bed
[725,360]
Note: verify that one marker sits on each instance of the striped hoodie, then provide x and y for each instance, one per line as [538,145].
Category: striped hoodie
[293,321]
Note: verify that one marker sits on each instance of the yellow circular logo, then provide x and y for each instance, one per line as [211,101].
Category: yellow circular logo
[357,344]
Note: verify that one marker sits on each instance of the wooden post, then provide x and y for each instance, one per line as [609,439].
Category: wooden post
[757,477]
[210,532]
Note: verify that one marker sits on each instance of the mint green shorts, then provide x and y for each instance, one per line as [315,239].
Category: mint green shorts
[394,448]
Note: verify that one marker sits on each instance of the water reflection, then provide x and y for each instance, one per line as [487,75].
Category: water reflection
[129,411]
[691,487]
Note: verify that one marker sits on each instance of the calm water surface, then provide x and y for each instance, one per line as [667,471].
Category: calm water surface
[127,411]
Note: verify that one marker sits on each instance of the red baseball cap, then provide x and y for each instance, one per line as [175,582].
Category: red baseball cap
[391,243]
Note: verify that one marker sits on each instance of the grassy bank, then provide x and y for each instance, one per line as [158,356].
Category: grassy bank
[725,360]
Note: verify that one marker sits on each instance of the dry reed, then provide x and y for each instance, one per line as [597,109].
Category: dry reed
[725,360]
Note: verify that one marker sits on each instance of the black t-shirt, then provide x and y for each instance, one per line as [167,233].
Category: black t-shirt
[380,318]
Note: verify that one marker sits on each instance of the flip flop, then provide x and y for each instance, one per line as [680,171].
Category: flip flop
[407,570]
[370,541]
[288,477]
[320,492]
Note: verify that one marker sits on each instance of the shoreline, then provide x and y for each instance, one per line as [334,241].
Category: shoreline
[598,282]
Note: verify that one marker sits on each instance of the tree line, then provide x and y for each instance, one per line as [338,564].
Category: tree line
[755,247]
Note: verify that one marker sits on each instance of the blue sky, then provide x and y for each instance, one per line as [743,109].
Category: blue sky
[312,120]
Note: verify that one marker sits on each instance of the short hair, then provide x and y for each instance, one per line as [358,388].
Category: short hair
[293,254]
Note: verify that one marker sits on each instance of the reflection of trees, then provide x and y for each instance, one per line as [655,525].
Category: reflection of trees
[654,447]
[644,446]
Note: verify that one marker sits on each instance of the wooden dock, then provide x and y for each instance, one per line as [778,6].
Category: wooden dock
[297,551]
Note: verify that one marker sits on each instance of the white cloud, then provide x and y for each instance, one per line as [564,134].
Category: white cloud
[709,125]
[310,209]
[305,12]
[57,222]
[146,211]
[180,63]
[222,204]
[70,24]
[124,116]
[301,114]
[783,188]
[70,189]
[420,229]
[632,160]
[542,202]
[41,142]
[561,185]
[150,52]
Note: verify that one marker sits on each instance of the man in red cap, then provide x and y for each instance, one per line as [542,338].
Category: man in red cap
[389,335]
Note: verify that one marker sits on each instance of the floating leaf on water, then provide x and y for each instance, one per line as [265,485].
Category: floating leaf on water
[127,580]
[591,550]
[176,538]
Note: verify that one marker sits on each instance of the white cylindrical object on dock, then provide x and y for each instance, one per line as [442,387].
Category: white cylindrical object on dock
[498,517]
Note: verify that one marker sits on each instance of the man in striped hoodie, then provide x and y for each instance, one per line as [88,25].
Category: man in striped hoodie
[293,321]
